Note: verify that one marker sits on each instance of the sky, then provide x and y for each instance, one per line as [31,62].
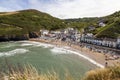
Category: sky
[64,9]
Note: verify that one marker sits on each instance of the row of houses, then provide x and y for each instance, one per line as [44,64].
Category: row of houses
[73,35]
[112,43]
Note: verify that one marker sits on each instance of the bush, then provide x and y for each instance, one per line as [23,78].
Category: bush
[110,73]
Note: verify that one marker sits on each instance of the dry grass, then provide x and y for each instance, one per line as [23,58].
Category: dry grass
[9,13]
[30,73]
[110,73]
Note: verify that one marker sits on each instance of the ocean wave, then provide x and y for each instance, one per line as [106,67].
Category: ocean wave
[13,52]
[65,50]
[26,44]
[36,44]
[87,58]
[7,46]
[57,50]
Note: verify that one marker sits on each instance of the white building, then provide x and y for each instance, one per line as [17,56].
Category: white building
[118,40]
[102,24]
[89,35]
[44,32]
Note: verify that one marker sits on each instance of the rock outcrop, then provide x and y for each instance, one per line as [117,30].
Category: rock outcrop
[19,37]
[14,37]
[34,34]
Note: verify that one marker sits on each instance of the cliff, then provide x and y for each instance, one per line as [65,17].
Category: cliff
[25,24]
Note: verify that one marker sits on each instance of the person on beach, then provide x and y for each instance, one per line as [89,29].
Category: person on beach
[106,63]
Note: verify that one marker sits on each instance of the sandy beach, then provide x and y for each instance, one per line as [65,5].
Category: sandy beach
[97,58]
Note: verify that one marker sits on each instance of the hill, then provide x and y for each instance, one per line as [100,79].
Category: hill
[110,30]
[25,24]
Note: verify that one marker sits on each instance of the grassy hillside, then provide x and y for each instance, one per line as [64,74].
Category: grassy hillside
[111,30]
[82,23]
[23,22]
[26,21]
[15,25]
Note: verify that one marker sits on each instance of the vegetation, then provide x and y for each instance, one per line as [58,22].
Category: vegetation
[9,29]
[110,73]
[30,73]
[27,73]
[111,30]
[82,23]
[25,21]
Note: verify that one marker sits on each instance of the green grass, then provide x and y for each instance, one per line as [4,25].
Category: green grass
[28,21]
[110,31]
[110,73]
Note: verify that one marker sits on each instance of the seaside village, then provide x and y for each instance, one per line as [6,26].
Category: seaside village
[73,36]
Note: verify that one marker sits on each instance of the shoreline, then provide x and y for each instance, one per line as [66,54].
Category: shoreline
[95,58]
[70,49]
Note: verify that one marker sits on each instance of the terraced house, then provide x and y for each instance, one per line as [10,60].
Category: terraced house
[112,43]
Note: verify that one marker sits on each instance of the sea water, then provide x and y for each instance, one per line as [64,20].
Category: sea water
[44,57]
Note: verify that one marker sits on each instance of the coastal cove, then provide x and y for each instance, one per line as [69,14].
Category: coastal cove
[95,57]
[44,57]
[59,40]
[59,48]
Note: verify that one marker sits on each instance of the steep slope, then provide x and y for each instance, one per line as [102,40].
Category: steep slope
[83,23]
[27,23]
[111,30]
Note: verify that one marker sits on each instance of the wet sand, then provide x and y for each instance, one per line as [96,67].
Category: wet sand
[98,57]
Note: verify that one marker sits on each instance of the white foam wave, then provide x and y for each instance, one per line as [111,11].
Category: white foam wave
[7,46]
[13,52]
[36,44]
[26,44]
[64,50]
[57,50]
[87,58]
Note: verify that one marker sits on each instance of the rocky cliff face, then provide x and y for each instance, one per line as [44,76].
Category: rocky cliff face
[34,34]
[19,37]
[14,37]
